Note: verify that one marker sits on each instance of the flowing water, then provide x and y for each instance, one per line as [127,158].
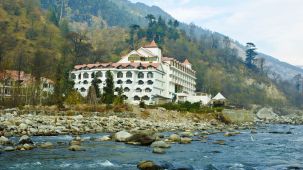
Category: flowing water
[267,149]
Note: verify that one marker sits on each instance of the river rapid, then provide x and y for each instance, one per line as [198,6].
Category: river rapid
[273,147]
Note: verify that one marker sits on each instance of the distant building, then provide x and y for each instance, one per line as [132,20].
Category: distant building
[144,74]
[9,79]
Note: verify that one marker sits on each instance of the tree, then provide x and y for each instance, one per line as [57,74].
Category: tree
[250,55]
[119,98]
[133,29]
[108,90]
[91,96]
[96,86]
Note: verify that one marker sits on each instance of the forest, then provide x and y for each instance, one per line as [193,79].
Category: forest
[47,38]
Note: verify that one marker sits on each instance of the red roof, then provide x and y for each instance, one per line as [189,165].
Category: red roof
[167,59]
[25,78]
[116,65]
[153,44]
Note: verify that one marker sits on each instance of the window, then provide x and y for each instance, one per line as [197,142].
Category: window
[117,89]
[150,75]
[73,76]
[129,74]
[85,82]
[138,90]
[149,82]
[145,98]
[119,82]
[83,89]
[45,85]
[99,81]
[79,76]
[129,82]
[140,75]
[137,98]
[119,74]
[140,82]
[126,89]
[148,90]
[99,74]
[124,97]
[85,75]
[92,75]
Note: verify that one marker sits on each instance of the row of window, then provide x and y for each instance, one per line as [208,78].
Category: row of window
[119,75]
[140,82]
[126,89]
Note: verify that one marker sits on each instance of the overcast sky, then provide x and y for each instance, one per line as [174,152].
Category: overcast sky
[275,26]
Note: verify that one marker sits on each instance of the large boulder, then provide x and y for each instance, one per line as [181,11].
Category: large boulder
[159,150]
[5,141]
[174,138]
[76,148]
[122,136]
[185,140]
[25,140]
[160,144]
[149,165]
[142,137]
[9,148]
[267,114]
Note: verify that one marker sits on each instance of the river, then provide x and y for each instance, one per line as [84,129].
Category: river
[266,149]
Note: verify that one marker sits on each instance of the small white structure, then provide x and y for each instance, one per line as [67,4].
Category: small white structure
[219,96]
[203,98]
[144,74]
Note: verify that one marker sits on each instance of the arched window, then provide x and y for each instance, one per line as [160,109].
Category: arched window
[92,75]
[145,98]
[117,89]
[129,74]
[147,90]
[99,74]
[85,75]
[138,90]
[137,98]
[150,75]
[140,82]
[85,82]
[140,75]
[119,82]
[99,81]
[73,76]
[126,89]
[83,89]
[129,82]
[149,82]
[119,74]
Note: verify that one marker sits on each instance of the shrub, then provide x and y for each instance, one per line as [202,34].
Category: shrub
[74,98]
[142,104]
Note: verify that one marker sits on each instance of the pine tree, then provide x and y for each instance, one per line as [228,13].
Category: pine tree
[96,86]
[250,55]
[108,95]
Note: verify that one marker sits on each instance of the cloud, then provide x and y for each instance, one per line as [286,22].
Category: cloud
[275,26]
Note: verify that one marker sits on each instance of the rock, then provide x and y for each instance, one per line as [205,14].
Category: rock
[149,165]
[5,141]
[229,134]
[122,136]
[143,138]
[47,145]
[186,134]
[27,147]
[219,142]
[75,142]
[267,114]
[23,126]
[9,148]
[159,150]
[174,138]
[185,140]
[160,144]
[104,138]
[76,148]
[25,140]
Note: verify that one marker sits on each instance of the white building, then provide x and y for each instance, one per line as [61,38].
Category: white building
[144,74]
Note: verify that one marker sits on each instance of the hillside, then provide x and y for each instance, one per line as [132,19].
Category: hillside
[70,32]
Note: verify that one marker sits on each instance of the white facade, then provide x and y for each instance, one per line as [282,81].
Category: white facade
[144,74]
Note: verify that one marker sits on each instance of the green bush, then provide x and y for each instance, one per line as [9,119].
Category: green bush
[74,98]
[191,107]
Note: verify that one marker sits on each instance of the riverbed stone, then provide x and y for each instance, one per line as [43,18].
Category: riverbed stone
[149,165]
[9,148]
[174,138]
[122,136]
[160,144]
[159,150]
[5,141]
[23,126]
[142,137]
[25,140]
[185,140]
[47,145]
[219,142]
[76,148]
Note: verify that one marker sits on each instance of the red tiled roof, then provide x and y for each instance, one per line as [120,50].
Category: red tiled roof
[167,59]
[116,65]
[153,44]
